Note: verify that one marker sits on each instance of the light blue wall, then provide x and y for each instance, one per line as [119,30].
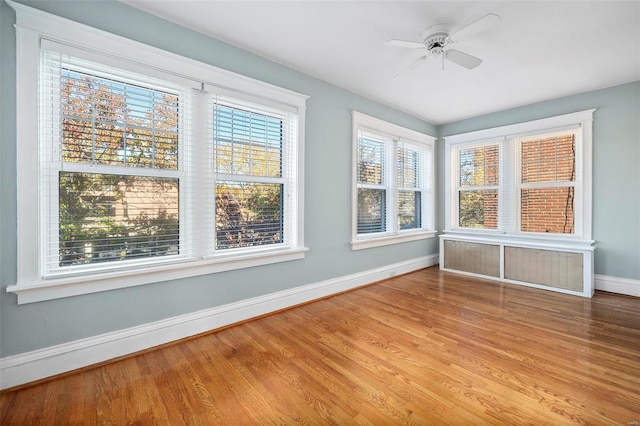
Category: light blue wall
[327,187]
[616,167]
[327,194]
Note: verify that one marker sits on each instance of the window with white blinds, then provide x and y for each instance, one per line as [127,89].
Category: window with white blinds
[393,183]
[373,186]
[255,178]
[410,185]
[136,165]
[478,186]
[113,165]
[120,177]
[530,188]
[531,180]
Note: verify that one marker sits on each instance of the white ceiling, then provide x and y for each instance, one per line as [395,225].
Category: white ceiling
[540,50]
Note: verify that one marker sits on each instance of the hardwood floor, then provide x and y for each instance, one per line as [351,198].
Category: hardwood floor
[424,348]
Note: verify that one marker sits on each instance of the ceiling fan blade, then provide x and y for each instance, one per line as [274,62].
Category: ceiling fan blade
[405,43]
[411,66]
[477,26]
[462,59]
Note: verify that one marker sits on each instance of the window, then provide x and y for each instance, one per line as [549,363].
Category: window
[254,184]
[529,180]
[146,172]
[393,178]
[372,184]
[478,187]
[111,145]
[547,183]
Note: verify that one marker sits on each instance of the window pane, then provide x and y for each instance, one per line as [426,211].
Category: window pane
[409,209]
[479,209]
[370,161]
[110,217]
[549,159]
[371,211]
[479,166]
[106,121]
[409,162]
[547,210]
[248,214]
[247,143]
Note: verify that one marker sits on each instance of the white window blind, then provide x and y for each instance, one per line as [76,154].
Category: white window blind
[255,171]
[372,182]
[113,151]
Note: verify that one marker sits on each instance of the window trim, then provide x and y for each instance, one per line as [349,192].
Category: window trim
[508,137]
[392,131]
[34,27]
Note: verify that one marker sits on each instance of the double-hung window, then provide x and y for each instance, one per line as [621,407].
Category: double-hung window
[113,160]
[373,188]
[547,183]
[477,186]
[255,184]
[393,183]
[529,180]
[137,166]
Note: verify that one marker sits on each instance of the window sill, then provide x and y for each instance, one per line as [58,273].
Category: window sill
[371,242]
[48,289]
[535,240]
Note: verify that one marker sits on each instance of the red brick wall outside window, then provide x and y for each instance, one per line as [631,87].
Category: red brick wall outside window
[546,185]
[545,207]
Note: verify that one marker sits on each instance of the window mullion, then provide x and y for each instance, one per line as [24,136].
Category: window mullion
[508,192]
[196,189]
[392,185]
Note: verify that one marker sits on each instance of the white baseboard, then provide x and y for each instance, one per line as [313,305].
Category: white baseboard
[30,366]
[626,286]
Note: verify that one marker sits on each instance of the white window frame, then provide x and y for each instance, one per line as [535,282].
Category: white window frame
[457,187]
[49,148]
[509,138]
[394,134]
[287,178]
[33,26]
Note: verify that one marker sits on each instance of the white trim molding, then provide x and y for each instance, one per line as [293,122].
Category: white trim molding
[627,286]
[42,363]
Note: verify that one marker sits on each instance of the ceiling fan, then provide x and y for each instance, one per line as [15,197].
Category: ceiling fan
[436,38]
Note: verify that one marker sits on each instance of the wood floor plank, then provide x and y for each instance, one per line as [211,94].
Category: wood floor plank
[424,348]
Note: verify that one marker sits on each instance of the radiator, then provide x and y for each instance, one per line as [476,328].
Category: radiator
[564,268]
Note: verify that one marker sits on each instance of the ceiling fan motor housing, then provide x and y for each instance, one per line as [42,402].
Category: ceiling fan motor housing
[435,42]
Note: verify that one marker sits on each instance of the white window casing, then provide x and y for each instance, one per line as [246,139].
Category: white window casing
[197,86]
[401,173]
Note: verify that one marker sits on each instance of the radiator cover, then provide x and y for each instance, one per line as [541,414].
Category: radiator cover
[566,268]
